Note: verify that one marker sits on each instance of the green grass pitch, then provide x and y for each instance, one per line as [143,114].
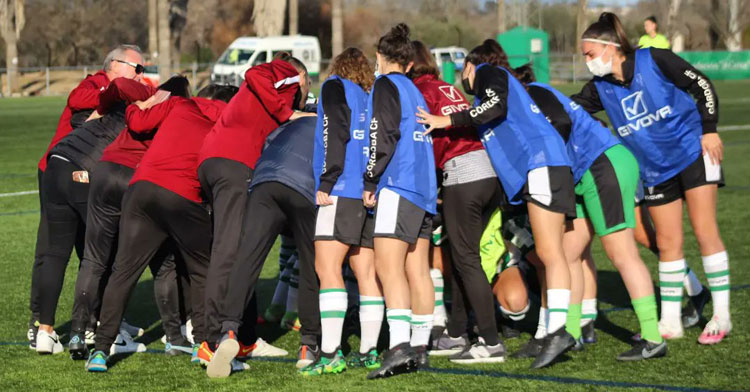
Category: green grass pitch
[26,126]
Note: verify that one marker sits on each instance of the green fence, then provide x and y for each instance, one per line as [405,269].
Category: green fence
[720,65]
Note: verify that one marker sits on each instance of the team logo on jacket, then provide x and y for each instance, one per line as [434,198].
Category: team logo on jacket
[451,93]
[636,112]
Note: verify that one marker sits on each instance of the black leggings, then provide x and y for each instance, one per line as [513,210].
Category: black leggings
[109,181]
[150,216]
[466,211]
[273,208]
[64,216]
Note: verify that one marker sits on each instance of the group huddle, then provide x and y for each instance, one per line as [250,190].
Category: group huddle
[199,188]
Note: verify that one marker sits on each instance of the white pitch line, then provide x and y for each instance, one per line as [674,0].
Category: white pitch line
[727,128]
[19,193]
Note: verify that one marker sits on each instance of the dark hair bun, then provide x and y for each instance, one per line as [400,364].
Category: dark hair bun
[396,45]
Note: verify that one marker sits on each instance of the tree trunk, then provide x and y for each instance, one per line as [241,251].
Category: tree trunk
[293,17]
[164,61]
[501,16]
[678,38]
[337,28]
[177,22]
[268,17]
[11,62]
[733,40]
[153,34]
[581,20]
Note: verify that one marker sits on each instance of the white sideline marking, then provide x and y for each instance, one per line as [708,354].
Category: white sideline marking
[19,193]
[727,128]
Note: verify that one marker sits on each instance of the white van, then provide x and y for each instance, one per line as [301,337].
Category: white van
[246,52]
[450,53]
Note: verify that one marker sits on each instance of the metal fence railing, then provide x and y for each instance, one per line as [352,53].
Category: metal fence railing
[59,80]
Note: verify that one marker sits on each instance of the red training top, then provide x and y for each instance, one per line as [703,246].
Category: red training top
[84,97]
[128,148]
[172,160]
[263,103]
[444,99]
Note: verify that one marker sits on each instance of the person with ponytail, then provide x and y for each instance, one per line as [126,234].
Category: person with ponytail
[400,183]
[343,225]
[666,112]
[606,177]
[531,161]
[470,194]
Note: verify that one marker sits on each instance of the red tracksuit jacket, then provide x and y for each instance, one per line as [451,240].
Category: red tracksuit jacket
[84,97]
[128,148]
[263,103]
[444,99]
[172,160]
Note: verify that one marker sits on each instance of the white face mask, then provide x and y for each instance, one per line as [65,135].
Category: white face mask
[598,67]
[377,69]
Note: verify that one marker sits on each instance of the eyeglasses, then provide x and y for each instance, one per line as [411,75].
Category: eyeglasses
[138,67]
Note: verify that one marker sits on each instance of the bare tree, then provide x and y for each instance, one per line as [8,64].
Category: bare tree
[11,23]
[581,20]
[163,38]
[177,22]
[337,27]
[293,17]
[678,38]
[733,40]
[268,17]
[153,25]
[501,16]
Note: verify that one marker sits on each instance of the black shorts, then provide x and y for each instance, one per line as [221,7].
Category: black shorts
[552,188]
[346,220]
[396,217]
[699,173]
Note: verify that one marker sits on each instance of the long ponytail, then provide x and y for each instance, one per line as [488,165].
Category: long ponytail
[609,28]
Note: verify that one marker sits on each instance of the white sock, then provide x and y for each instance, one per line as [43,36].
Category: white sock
[399,326]
[557,305]
[371,312]
[671,275]
[692,285]
[717,272]
[541,326]
[332,312]
[421,326]
[440,316]
[588,311]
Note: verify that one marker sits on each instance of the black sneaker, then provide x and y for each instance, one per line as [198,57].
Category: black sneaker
[398,360]
[578,345]
[77,347]
[644,350]
[588,333]
[531,349]
[693,310]
[33,330]
[508,329]
[422,361]
[447,345]
[480,352]
[553,346]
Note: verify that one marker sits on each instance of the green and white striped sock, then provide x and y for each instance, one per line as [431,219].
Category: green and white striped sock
[421,326]
[332,312]
[399,326]
[440,316]
[589,311]
[671,275]
[717,272]
[371,312]
[558,301]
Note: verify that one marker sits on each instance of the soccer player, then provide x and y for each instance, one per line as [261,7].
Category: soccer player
[343,225]
[120,62]
[531,161]
[606,177]
[652,38]
[109,181]
[666,111]
[163,202]
[282,200]
[400,184]
[470,193]
[265,100]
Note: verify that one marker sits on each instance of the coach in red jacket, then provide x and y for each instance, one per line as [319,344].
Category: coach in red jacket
[123,61]
[470,193]
[268,97]
[163,202]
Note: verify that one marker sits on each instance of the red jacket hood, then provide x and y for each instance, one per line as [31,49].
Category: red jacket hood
[285,75]
[210,108]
